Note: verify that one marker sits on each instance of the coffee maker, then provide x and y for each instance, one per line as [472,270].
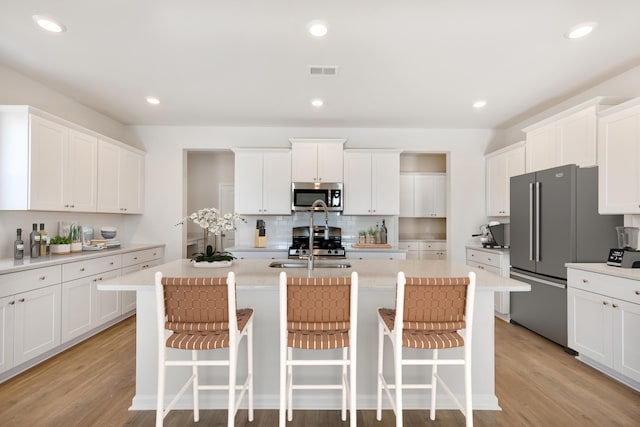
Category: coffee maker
[627,254]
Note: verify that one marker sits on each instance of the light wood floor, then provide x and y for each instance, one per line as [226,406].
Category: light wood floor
[537,384]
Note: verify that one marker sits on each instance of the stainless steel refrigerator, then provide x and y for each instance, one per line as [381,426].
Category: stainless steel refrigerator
[554,220]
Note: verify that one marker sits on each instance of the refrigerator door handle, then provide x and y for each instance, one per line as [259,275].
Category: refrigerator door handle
[537,280]
[537,221]
[530,221]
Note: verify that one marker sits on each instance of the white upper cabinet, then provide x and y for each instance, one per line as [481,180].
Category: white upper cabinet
[262,182]
[46,165]
[371,182]
[49,164]
[81,174]
[568,137]
[619,159]
[500,167]
[423,195]
[316,160]
[120,179]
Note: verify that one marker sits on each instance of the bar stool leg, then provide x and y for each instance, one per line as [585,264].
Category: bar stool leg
[289,385]
[397,360]
[344,385]
[231,413]
[160,396]
[250,367]
[434,383]
[380,365]
[196,396]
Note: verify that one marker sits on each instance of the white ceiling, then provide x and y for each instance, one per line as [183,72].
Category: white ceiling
[401,63]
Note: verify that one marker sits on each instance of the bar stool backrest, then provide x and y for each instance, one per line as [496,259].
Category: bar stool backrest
[196,304]
[435,303]
[319,304]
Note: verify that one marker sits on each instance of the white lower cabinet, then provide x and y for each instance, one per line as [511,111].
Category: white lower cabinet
[604,322]
[36,323]
[29,315]
[375,254]
[496,261]
[424,249]
[7,316]
[137,261]
[83,306]
[43,309]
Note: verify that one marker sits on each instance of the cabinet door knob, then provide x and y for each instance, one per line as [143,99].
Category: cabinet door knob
[605,303]
[21,300]
[12,302]
[614,305]
[82,269]
[585,281]
[42,277]
[637,292]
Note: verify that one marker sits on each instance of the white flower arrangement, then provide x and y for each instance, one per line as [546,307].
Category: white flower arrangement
[210,220]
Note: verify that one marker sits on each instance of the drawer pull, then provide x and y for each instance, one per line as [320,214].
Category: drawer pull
[12,302]
[614,305]
[605,303]
[43,277]
[637,292]
[111,263]
[585,281]
[21,300]
[82,269]
[135,257]
[488,259]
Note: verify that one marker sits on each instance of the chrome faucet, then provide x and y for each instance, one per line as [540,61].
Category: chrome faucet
[319,202]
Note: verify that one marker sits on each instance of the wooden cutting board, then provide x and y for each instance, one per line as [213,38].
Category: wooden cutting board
[371,245]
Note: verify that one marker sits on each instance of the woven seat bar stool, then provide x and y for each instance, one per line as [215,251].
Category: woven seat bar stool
[318,314]
[196,314]
[430,314]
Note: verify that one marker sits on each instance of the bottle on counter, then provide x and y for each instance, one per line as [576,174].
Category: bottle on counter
[378,234]
[43,241]
[18,245]
[34,242]
[383,233]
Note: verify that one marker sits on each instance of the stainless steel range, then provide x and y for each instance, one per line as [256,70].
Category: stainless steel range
[325,245]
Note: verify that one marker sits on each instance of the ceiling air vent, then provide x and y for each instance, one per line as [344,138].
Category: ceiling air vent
[323,70]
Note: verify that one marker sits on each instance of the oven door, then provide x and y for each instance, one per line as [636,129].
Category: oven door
[304,194]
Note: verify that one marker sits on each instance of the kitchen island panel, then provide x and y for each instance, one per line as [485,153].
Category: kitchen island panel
[257,288]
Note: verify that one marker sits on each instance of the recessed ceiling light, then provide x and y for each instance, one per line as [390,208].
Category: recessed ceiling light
[152,100]
[49,24]
[580,30]
[318,29]
[317,102]
[479,103]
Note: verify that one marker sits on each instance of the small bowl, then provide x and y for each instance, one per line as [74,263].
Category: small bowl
[108,232]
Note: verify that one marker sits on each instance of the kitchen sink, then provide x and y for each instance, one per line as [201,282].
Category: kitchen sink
[316,264]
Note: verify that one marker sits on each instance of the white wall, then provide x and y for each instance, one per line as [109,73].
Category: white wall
[166,145]
[16,89]
[625,85]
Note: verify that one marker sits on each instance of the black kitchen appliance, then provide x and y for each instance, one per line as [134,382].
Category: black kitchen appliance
[304,194]
[329,247]
[626,255]
[554,221]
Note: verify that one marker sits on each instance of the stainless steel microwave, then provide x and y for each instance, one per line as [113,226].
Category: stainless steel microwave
[303,194]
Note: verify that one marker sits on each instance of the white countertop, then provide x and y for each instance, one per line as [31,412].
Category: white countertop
[490,250]
[9,265]
[603,268]
[371,273]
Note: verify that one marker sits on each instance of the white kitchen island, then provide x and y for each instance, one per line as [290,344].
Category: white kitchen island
[257,287]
